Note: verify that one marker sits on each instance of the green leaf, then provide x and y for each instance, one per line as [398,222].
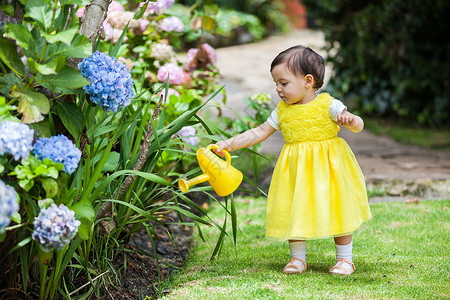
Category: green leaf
[40,12]
[32,105]
[19,33]
[65,36]
[16,217]
[84,209]
[84,228]
[77,2]
[52,67]
[67,78]
[9,9]
[8,54]
[85,213]
[26,184]
[50,186]
[112,162]
[7,81]
[72,117]
[79,47]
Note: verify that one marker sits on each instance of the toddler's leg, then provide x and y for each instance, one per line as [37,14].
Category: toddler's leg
[344,263]
[297,264]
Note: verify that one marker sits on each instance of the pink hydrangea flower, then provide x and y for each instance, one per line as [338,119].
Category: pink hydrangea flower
[190,55]
[171,24]
[113,6]
[175,73]
[170,92]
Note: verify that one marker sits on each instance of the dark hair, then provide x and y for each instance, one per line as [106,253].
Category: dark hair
[302,60]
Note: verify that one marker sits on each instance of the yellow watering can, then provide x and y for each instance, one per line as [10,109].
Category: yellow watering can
[222,176]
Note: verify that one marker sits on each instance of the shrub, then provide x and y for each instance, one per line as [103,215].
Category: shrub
[390,56]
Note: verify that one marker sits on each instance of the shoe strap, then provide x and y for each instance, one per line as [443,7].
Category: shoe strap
[300,260]
[343,260]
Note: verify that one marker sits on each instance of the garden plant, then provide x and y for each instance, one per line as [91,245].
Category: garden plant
[98,120]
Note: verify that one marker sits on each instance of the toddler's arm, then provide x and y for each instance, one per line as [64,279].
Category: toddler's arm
[246,139]
[351,121]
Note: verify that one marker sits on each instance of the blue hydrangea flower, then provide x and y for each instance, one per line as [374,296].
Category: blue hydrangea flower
[16,139]
[55,227]
[8,205]
[59,149]
[111,84]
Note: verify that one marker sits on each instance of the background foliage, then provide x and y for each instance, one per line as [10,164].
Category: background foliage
[391,56]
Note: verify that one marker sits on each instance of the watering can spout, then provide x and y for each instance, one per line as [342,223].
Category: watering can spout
[222,176]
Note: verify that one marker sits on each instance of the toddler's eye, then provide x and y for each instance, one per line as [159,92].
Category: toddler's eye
[284,83]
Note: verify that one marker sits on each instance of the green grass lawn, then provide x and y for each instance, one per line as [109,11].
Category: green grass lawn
[402,253]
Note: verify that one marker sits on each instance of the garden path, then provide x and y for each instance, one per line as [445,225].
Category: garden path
[401,170]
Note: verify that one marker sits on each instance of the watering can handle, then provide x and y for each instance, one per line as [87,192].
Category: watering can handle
[227,154]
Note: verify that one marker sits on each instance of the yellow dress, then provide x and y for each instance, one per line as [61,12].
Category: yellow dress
[317,187]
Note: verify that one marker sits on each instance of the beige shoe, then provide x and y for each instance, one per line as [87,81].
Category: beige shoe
[292,268]
[339,269]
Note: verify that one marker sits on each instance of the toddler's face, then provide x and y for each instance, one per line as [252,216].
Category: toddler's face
[291,88]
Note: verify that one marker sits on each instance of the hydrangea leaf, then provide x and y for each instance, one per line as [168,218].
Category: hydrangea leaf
[79,47]
[5,115]
[19,33]
[26,184]
[52,67]
[71,116]
[7,81]
[85,213]
[67,78]
[32,105]
[77,2]
[50,186]
[8,55]
[16,217]
[44,203]
[65,36]
[40,12]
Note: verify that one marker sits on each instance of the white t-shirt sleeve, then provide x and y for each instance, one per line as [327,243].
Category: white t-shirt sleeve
[273,120]
[336,108]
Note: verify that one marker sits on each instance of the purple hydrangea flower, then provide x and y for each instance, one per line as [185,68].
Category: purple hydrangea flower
[171,24]
[111,84]
[158,6]
[175,73]
[59,149]
[186,133]
[8,205]
[16,139]
[54,227]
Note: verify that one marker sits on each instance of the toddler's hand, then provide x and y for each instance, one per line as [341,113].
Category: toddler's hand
[223,145]
[345,119]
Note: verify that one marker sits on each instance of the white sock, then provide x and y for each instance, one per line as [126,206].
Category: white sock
[298,250]
[344,251]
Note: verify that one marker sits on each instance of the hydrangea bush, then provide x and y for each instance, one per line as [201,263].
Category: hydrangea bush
[111,83]
[55,227]
[8,205]
[16,138]
[59,149]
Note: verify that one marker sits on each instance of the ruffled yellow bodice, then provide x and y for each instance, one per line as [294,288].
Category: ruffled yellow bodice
[307,122]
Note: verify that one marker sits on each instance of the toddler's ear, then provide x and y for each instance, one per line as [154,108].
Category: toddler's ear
[309,81]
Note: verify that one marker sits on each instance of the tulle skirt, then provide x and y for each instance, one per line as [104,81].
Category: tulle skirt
[317,191]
